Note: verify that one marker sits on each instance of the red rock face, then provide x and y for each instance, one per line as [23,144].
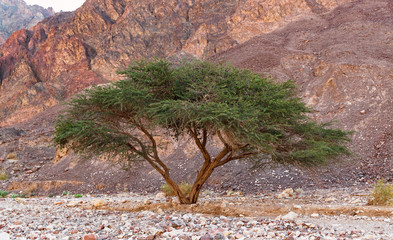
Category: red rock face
[68,52]
[39,68]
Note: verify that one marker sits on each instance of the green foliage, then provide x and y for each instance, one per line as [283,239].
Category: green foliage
[65,193]
[382,194]
[185,188]
[167,190]
[78,195]
[3,193]
[3,176]
[253,113]
[14,195]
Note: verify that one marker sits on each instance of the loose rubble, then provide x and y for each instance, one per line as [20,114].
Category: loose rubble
[86,218]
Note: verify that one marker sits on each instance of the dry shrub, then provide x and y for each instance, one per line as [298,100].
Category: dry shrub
[3,176]
[31,189]
[185,188]
[382,194]
[12,156]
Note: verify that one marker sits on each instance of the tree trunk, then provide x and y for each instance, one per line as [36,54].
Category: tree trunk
[203,175]
[175,188]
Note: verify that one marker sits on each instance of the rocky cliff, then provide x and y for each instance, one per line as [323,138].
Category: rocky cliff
[16,14]
[339,52]
[68,52]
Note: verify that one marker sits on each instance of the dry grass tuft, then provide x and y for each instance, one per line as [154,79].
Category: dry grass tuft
[185,188]
[382,194]
[3,176]
[12,156]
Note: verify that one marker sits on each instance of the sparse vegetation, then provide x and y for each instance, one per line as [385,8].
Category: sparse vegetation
[382,193]
[12,156]
[78,195]
[4,193]
[30,190]
[185,188]
[3,176]
[252,116]
[65,193]
[298,191]
[14,195]
[206,192]
[230,193]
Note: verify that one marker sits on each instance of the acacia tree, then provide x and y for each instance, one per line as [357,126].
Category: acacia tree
[252,116]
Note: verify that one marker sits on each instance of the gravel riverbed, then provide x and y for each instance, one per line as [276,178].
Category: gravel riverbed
[71,218]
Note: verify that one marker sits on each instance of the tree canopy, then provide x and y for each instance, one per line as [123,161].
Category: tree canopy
[253,116]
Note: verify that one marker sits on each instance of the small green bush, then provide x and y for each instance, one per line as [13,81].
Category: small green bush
[382,194]
[64,193]
[14,195]
[185,188]
[167,190]
[3,176]
[4,193]
[78,195]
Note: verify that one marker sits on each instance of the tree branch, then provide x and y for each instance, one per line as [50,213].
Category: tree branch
[141,144]
[148,159]
[151,138]
[154,147]
[221,155]
[201,145]
[204,137]
[231,158]
[222,139]
[133,148]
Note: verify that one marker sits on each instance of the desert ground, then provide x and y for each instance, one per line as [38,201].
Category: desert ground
[341,213]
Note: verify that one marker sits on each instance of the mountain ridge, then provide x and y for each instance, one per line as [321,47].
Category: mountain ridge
[16,14]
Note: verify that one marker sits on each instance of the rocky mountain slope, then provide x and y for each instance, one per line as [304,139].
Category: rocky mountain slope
[68,52]
[337,51]
[342,61]
[16,14]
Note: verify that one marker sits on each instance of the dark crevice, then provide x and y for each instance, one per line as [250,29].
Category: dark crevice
[91,53]
[35,74]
